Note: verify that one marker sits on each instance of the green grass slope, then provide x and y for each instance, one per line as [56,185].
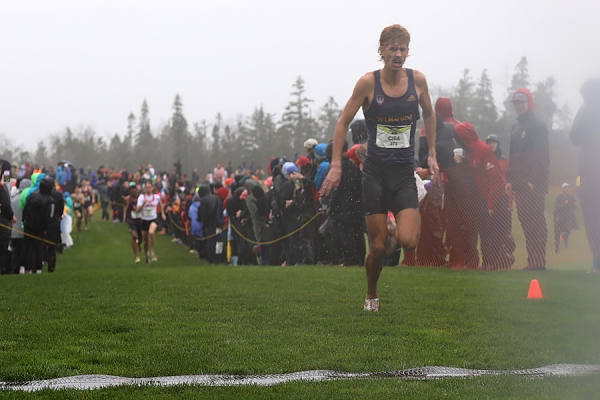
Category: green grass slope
[99,313]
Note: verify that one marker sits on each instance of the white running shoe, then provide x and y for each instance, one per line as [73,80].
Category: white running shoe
[137,260]
[154,257]
[371,305]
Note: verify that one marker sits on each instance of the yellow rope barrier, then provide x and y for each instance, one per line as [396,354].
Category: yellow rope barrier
[280,238]
[28,234]
[181,228]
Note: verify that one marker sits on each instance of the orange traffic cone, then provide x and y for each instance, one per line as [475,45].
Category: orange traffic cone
[534,290]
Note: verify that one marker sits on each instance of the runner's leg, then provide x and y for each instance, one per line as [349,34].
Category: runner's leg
[151,239]
[377,227]
[408,228]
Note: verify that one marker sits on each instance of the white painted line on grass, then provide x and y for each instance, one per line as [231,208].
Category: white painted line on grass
[86,382]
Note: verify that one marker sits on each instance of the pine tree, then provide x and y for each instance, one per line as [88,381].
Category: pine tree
[128,140]
[215,153]
[462,98]
[330,113]
[179,135]
[260,139]
[520,79]
[144,140]
[484,113]
[41,154]
[545,106]
[297,120]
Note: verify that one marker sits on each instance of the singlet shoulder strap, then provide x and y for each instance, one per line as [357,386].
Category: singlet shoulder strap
[411,80]
[378,89]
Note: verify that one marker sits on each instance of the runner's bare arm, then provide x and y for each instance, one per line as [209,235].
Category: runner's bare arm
[429,121]
[126,204]
[360,98]
[162,210]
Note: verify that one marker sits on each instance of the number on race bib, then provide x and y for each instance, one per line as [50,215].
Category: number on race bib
[393,137]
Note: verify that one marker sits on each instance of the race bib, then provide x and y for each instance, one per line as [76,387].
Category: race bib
[135,215]
[148,212]
[393,137]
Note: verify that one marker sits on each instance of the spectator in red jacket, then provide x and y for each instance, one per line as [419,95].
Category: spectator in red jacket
[492,203]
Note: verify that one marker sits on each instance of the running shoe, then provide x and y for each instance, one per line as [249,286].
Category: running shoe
[137,260]
[154,257]
[371,305]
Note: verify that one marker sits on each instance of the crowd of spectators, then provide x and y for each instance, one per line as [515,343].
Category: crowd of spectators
[276,216]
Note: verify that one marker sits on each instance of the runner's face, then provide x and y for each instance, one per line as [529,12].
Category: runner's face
[394,54]
[148,188]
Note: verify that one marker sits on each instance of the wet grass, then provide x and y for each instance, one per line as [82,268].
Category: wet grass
[99,313]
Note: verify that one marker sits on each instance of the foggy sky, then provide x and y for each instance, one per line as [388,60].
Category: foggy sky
[70,63]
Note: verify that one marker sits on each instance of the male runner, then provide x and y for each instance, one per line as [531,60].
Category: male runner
[390,99]
[89,201]
[78,200]
[133,220]
[147,204]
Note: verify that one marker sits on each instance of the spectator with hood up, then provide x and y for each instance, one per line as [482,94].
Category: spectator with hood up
[210,215]
[37,215]
[289,213]
[18,254]
[585,133]
[53,233]
[528,169]
[323,166]
[491,207]
[443,107]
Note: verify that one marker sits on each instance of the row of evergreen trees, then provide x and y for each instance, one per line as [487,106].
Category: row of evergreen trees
[261,135]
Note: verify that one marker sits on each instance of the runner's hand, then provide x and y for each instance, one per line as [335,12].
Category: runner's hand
[332,180]
[434,169]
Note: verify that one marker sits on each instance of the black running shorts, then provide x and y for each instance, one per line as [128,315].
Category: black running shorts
[146,224]
[137,227]
[388,187]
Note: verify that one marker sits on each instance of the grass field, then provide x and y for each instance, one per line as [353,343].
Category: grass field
[99,313]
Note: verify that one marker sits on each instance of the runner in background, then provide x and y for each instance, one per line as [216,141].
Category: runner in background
[146,205]
[133,220]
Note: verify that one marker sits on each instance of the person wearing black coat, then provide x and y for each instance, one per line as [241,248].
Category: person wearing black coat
[528,170]
[6,219]
[585,133]
[53,232]
[116,193]
[210,215]
[346,217]
[102,189]
[37,216]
